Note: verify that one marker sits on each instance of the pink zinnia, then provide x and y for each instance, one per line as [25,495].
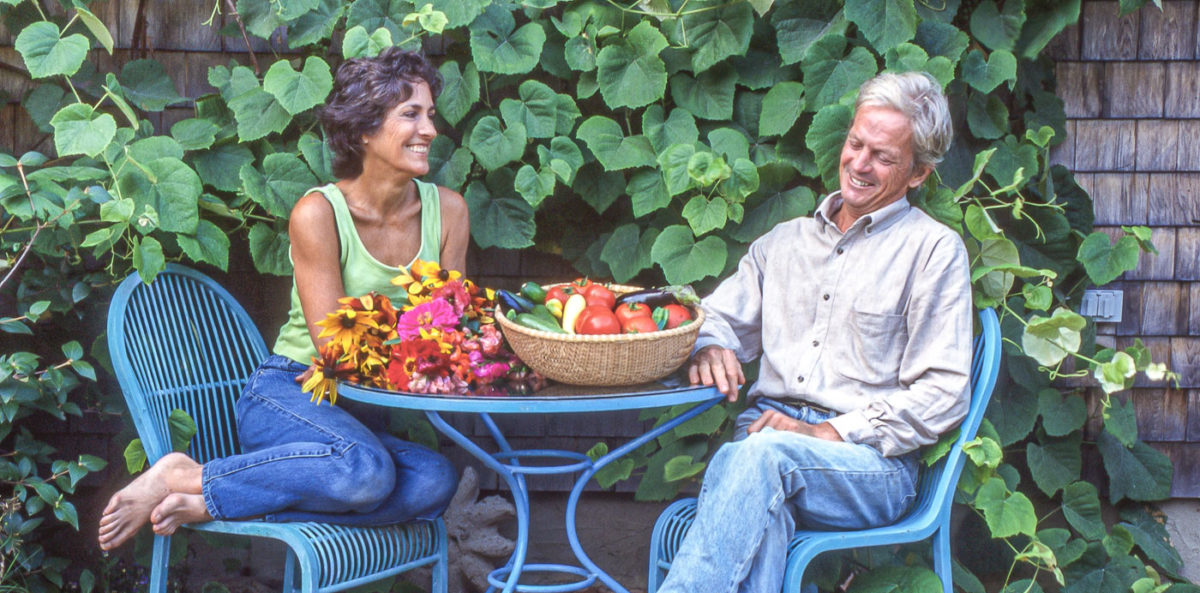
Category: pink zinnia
[454,294]
[433,315]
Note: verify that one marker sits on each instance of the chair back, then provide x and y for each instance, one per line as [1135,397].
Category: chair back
[935,492]
[182,342]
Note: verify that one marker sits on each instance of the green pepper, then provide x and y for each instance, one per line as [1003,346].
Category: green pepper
[536,322]
[659,315]
[511,315]
[534,292]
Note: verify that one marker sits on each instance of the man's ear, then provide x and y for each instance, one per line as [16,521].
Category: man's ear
[919,176]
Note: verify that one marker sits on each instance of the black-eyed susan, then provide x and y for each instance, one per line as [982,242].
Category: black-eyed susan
[327,370]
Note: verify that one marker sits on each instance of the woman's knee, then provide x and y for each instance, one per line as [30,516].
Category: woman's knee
[364,476]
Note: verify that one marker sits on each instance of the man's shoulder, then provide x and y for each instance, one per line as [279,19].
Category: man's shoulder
[933,232]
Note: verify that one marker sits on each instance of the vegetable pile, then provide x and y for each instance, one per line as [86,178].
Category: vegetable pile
[593,308]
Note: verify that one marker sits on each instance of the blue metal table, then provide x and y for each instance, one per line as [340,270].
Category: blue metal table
[506,462]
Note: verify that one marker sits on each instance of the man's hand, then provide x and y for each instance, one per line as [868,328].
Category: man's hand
[714,365]
[780,421]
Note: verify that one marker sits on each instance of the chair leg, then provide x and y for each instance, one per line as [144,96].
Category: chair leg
[941,558]
[289,571]
[441,568]
[160,561]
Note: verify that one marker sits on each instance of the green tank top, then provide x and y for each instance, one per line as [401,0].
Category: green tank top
[361,272]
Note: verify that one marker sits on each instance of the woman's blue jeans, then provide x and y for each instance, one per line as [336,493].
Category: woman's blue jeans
[307,462]
[759,488]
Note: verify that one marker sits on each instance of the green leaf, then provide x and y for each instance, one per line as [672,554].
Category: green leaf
[357,43]
[1045,21]
[1081,509]
[1120,420]
[563,157]
[704,215]
[209,244]
[1118,542]
[1150,534]
[78,129]
[781,108]
[1117,576]
[777,207]
[172,188]
[647,193]
[499,220]
[614,472]
[260,17]
[896,579]
[800,24]
[984,452]
[1006,513]
[678,128]
[627,251]
[498,46]
[681,468]
[147,85]
[629,70]
[537,109]
[1037,297]
[717,31]
[1050,339]
[270,250]
[317,155]
[707,168]
[885,23]
[1023,586]
[1054,464]
[315,26]
[598,188]
[495,146]
[825,138]
[299,91]
[182,428]
[985,75]
[43,102]
[460,91]
[66,513]
[708,95]
[96,27]
[534,185]
[987,115]
[685,260]
[942,39]
[220,166]
[730,143]
[47,54]
[742,182]
[148,258]
[448,165]
[195,133]
[459,13]
[995,29]
[373,14]
[1061,415]
[256,111]
[283,180]
[1103,260]
[1137,473]
[612,148]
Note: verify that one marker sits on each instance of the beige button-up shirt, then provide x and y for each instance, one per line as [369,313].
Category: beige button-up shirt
[874,323]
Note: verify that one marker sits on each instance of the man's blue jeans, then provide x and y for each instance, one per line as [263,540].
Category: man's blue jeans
[759,488]
[309,462]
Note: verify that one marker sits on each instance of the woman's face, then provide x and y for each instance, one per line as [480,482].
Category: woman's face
[402,142]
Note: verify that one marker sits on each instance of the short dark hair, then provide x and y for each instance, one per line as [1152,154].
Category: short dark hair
[364,90]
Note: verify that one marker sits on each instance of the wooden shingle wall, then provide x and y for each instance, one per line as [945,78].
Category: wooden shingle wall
[1131,90]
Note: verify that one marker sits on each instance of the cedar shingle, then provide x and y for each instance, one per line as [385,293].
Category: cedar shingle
[1188,158]
[1131,303]
[1194,308]
[1064,152]
[26,136]
[14,84]
[1185,360]
[1193,420]
[1106,35]
[1187,255]
[1134,89]
[1065,45]
[1173,200]
[1078,85]
[1183,90]
[1168,34]
[174,25]
[1118,198]
[1163,309]
[1185,457]
[1159,144]
[1157,267]
[1104,145]
[1162,414]
[8,115]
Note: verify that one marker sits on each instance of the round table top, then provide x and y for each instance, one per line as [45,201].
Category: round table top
[557,398]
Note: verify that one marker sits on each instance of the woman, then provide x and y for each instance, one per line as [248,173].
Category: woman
[306,461]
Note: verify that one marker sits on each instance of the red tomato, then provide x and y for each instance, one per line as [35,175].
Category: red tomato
[627,311]
[598,294]
[560,293]
[676,315]
[597,319]
[581,284]
[641,324]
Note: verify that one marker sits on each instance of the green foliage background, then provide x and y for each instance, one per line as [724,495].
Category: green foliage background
[647,141]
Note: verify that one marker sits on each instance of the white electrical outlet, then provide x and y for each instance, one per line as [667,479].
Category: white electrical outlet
[1103,306]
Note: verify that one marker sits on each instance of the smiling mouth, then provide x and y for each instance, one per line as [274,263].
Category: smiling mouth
[418,148]
[856,182]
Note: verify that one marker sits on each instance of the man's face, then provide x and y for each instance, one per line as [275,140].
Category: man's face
[877,161]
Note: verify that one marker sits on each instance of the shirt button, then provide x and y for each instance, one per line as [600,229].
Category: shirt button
[840,250]
[826,297]
[800,379]
[816,343]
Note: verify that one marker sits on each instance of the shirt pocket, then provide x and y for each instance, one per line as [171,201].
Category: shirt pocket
[871,348]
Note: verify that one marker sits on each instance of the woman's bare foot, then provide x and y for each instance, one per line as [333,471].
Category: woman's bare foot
[130,507]
[177,509]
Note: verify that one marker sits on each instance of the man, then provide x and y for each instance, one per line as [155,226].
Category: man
[862,317]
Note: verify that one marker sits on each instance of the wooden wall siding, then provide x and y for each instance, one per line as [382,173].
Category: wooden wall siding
[1187,248]
[1185,457]
[1194,309]
[1193,417]
[1160,151]
[1079,87]
[1185,359]
[1168,34]
[1104,145]
[1106,35]
[1134,89]
[1174,199]
[1183,90]
[1157,267]
[1118,198]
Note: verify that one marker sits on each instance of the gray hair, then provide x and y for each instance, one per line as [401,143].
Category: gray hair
[918,96]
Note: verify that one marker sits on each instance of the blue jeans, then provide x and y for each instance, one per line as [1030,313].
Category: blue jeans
[761,487]
[307,462]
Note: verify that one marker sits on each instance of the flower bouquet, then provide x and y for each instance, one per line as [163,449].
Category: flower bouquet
[443,340]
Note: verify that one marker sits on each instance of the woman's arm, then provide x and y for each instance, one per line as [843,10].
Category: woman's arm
[315,259]
[456,230]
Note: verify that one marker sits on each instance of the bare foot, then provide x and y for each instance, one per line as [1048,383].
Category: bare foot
[130,507]
[177,509]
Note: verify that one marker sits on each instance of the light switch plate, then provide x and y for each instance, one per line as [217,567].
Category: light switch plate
[1103,306]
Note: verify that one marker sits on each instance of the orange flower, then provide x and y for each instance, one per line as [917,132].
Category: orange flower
[326,371]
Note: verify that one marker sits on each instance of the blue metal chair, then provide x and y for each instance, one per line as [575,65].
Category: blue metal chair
[930,514]
[183,342]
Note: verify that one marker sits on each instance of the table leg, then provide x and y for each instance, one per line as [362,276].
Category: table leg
[586,476]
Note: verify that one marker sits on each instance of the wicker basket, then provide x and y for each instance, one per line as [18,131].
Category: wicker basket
[609,359]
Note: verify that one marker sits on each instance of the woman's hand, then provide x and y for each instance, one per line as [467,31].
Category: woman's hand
[714,365]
